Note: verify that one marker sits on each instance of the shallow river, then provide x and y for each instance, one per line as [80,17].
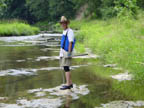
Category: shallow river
[30,77]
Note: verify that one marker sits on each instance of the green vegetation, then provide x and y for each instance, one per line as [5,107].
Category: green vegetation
[113,29]
[50,10]
[130,88]
[16,28]
[116,41]
[36,10]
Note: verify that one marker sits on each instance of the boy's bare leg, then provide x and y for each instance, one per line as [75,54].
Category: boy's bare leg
[68,78]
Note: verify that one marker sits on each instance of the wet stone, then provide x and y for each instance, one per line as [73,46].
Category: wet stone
[122,76]
[40,94]
[3,98]
[74,92]
[49,101]
[20,60]
[122,104]
[110,65]
[17,72]
[40,103]
[29,72]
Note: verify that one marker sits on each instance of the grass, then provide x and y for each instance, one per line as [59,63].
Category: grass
[129,88]
[16,28]
[116,41]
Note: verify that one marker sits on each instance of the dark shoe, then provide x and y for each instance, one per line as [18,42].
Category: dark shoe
[66,87]
[71,86]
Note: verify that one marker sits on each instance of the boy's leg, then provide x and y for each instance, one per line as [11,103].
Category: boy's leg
[68,75]
[69,84]
[68,78]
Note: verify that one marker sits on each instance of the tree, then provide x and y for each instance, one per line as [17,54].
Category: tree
[2,7]
[94,8]
[39,9]
[50,10]
[61,7]
[107,9]
[126,8]
[17,9]
[140,3]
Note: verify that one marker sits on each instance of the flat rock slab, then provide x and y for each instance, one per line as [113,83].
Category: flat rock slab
[122,76]
[19,38]
[29,72]
[74,92]
[122,104]
[36,103]
[48,98]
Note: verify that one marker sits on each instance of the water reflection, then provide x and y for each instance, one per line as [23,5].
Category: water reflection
[67,102]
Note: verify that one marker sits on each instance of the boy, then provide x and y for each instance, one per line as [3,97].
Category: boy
[67,45]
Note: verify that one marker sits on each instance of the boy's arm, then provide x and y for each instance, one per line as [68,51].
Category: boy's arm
[70,47]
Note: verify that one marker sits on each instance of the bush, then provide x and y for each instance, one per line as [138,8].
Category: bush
[109,8]
[126,8]
[16,28]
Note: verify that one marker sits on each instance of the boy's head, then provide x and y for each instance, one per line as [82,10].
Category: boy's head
[64,22]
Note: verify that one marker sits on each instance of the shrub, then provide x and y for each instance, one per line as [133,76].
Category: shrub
[16,28]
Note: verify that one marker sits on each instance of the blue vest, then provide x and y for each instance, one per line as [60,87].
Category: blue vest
[65,43]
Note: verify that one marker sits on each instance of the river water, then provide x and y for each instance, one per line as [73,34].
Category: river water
[30,77]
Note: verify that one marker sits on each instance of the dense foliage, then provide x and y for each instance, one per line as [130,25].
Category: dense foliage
[2,6]
[37,10]
[51,10]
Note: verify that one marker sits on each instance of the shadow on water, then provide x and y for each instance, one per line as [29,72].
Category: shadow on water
[16,86]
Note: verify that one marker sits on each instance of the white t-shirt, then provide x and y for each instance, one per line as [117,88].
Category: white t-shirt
[70,35]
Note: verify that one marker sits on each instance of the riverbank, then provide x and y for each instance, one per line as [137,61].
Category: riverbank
[17,28]
[119,42]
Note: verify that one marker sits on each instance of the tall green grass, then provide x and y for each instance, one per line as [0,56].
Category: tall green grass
[117,41]
[16,28]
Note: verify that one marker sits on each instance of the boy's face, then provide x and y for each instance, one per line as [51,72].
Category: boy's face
[64,25]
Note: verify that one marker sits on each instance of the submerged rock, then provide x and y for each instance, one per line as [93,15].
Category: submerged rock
[122,104]
[74,92]
[54,97]
[46,58]
[20,60]
[17,72]
[40,94]
[3,98]
[19,38]
[2,105]
[36,103]
[110,65]
[122,76]
[40,103]
[49,49]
